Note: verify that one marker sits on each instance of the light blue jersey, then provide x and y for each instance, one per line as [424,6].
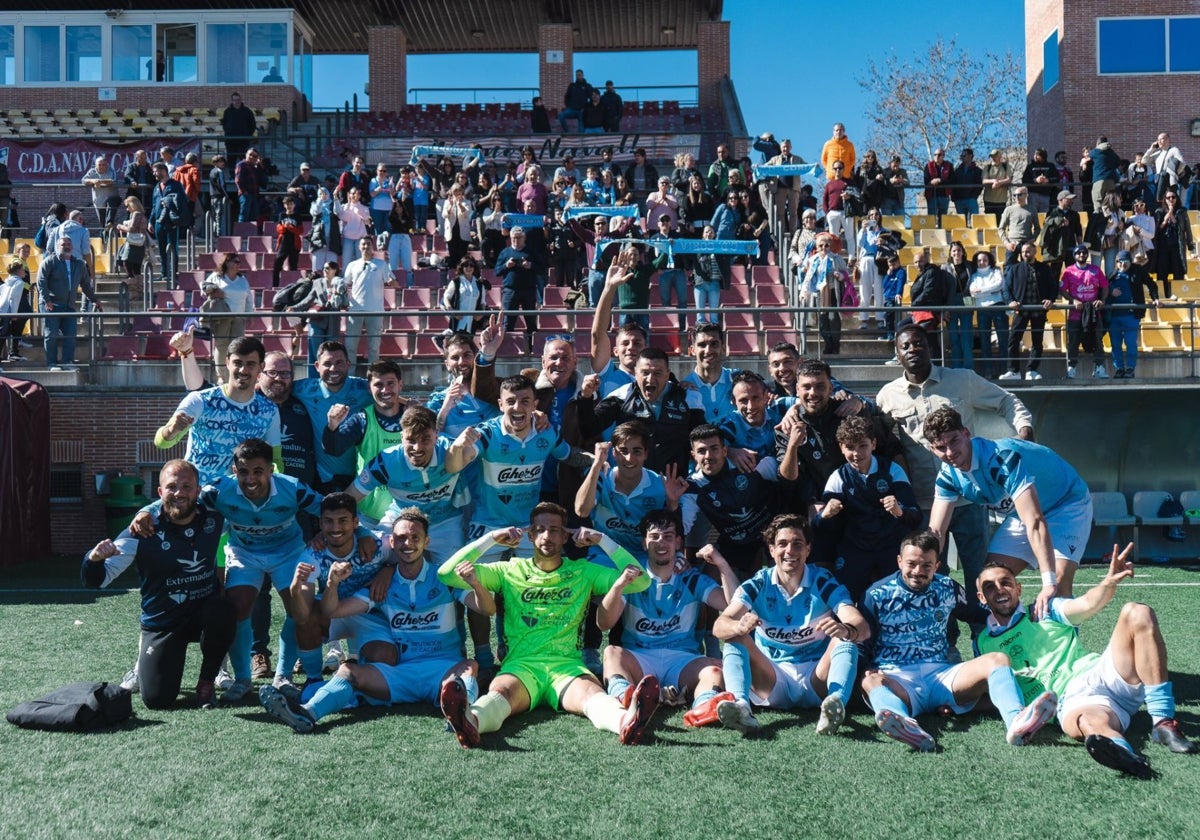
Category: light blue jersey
[1001,470]
[619,515]
[510,472]
[421,616]
[361,573]
[717,398]
[267,527]
[221,424]
[317,400]
[429,488]
[666,615]
[759,439]
[468,411]
[786,633]
[612,376]
[909,628]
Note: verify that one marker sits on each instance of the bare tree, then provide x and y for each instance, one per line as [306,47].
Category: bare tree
[947,97]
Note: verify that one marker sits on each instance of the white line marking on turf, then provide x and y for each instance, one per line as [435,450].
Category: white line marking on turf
[79,591]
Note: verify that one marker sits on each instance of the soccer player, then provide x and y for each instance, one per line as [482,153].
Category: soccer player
[868,507]
[791,635]
[751,428]
[911,670]
[182,600]
[662,625]
[415,651]
[340,533]
[470,398]
[1098,693]
[710,379]
[1046,526]
[331,386]
[546,598]
[423,471]
[614,361]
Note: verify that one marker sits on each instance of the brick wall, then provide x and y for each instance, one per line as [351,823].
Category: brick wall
[155,96]
[387,67]
[1129,110]
[554,78]
[110,424]
[712,59]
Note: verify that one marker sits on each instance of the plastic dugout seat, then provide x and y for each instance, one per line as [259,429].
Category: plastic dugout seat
[259,324]
[260,245]
[277,343]
[429,278]
[1170,314]
[939,254]
[773,338]
[146,325]
[403,322]
[668,342]
[772,319]
[190,280]
[1146,504]
[269,230]
[1190,499]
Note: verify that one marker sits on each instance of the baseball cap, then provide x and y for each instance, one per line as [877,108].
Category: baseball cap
[1079,249]
[304,166]
[995,152]
[1124,256]
[1065,194]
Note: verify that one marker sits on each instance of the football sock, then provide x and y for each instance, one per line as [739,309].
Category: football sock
[1005,693]
[1123,744]
[604,712]
[239,651]
[1160,701]
[472,686]
[289,649]
[311,661]
[484,656]
[703,697]
[491,710]
[712,646]
[884,698]
[843,666]
[736,665]
[333,696]
[617,684]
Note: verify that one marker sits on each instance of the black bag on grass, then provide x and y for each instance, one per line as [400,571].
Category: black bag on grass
[78,707]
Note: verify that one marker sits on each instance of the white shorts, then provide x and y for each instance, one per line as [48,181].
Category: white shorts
[1070,526]
[414,682]
[793,687]
[244,567]
[1102,685]
[929,685]
[665,664]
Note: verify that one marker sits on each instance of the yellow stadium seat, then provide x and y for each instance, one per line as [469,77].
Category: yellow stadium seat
[1159,338]
[1041,219]
[1187,290]
[1058,317]
[991,236]
[983,220]
[893,222]
[1168,314]
[908,255]
[933,236]
[953,221]
[939,254]
[921,222]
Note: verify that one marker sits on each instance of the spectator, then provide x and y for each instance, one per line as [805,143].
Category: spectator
[766,145]
[613,107]
[1138,179]
[399,242]
[576,197]
[939,174]
[1106,169]
[227,290]
[725,221]
[578,93]
[599,250]
[565,250]
[287,239]
[273,76]
[519,274]
[870,288]
[607,195]
[533,190]
[1167,161]
[869,177]
[824,274]
[73,228]
[538,247]
[641,178]
[222,192]
[960,324]
[968,181]
[328,294]
[493,230]
[381,190]
[997,178]
[170,214]
[931,287]
[139,178]
[167,155]
[17,327]
[837,149]
[893,294]
[105,197]
[836,220]
[1029,291]
[326,234]
[1172,241]
[539,117]
[456,224]
[1018,224]
[355,217]
[1105,227]
[987,291]
[718,172]
[528,160]
[708,279]
[1139,234]
[623,193]
[896,181]
[60,278]
[355,176]
[1065,179]
[785,188]
[249,187]
[685,169]
[591,185]
[366,278]
[1127,286]
[697,208]
[240,126]
[803,241]
[11,291]
[304,187]
[1041,179]
[1085,181]
[1085,287]
[136,229]
[593,114]
[661,203]
[188,175]
[465,294]
[672,280]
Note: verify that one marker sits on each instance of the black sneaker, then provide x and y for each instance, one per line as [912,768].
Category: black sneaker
[1166,732]
[1108,752]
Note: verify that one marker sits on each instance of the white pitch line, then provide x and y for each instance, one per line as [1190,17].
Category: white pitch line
[80,591]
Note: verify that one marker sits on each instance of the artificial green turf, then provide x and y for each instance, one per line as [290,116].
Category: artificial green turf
[235,772]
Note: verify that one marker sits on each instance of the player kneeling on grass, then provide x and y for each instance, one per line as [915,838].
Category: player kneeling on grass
[182,600]
[803,653]
[412,639]
[340,533]
[1098,693]
[661,636]
[912,673]
[545,602]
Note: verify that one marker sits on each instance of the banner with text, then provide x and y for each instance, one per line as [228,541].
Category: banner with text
[50,161]
[550,148]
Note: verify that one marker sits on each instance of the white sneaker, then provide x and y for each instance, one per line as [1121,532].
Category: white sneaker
[334,658]
[1009,375]
[1070,371]
[224,679]
[736,714]
[1033,375]
[1100,372]
[130,682]
[1032,718]
[237,692]
[905,730]
[833,712]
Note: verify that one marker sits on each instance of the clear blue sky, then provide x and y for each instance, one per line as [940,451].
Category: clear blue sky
[793,64]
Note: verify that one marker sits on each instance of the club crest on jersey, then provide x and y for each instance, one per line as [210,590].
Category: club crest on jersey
[712,497]
[210,525]
[542,443]
[882,486]
[817,455]
[741,482]
[190,532]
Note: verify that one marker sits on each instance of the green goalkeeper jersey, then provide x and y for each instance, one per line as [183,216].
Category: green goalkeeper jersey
[1045,655]
[543,611]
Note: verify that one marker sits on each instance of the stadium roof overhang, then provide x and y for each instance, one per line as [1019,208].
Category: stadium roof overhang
[450,26]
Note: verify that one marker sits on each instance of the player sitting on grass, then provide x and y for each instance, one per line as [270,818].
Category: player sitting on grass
[661,632]
[182,600]
[1098,693]
[412,638]
[545,601]
[803,653]
[912,673]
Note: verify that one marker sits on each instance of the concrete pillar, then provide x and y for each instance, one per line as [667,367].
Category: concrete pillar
[553,77]
[712,59]
[387,72]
